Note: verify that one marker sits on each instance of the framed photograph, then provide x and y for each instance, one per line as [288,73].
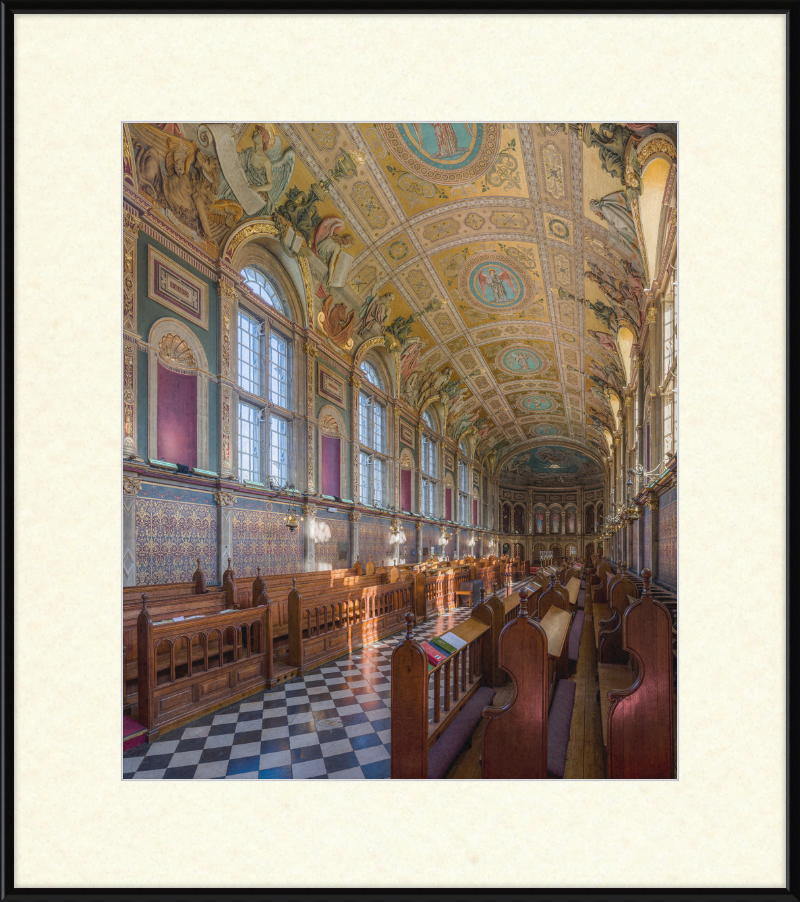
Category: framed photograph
[330,385]
[171,286]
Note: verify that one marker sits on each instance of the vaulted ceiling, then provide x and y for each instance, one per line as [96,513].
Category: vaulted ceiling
[505,264]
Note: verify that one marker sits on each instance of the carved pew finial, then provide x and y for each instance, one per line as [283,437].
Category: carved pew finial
[144,601]
[523,603]
[409,625]
[483,593]
[199,580]
[646,574]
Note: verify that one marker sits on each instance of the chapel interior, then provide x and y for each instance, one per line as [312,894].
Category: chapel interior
[399,439]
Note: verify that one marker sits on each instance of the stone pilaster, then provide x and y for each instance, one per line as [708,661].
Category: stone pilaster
[419,541]
[130,489]
[225,502]
[355,516]
[309,545]
[355,446]
[227,400]
[311,423]
[130,235]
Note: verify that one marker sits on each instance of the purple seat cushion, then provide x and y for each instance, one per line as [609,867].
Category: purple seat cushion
[449,744]
[559,722]
[575,636]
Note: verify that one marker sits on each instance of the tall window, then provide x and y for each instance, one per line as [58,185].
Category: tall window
[373,468]
[264,379]
[429,472]
[463,493]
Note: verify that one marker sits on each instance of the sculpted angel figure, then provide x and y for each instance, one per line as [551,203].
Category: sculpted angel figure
[375,312]
[267,168]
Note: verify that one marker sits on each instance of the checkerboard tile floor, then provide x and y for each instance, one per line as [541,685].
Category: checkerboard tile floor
[331,724]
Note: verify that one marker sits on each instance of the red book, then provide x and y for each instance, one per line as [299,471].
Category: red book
[435,656]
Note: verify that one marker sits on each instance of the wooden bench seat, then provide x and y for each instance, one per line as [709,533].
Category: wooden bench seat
[637,699]
[611,678]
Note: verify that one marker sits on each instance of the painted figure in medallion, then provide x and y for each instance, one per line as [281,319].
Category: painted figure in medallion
[495,286]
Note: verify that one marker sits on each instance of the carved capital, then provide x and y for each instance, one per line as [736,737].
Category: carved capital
[638,362]
[419,525]
[309,349]
[309,510]
[652,312]
[355,516]
[652,502]
[130,221]
[131,485]
[226,290]
[627,401]
[224,499]
[355,380]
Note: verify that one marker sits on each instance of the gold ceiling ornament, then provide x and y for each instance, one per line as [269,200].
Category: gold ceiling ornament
[657,145]
[253,230]
[175,350]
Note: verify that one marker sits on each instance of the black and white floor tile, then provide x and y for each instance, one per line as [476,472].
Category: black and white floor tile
[331,724]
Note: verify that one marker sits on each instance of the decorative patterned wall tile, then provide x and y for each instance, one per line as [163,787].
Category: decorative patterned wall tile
[333,536]
[170,536]
[261,539]
[668,539]
[374,534]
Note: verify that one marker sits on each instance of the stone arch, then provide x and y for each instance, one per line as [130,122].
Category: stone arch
[257,241]
[374,349]
[173,345]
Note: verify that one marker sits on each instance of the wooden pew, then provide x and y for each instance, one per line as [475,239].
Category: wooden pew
[434,710]
[496,612]
[637,699]
[552,594]
[321,629]
[190,668]
[515,738]
[608,634]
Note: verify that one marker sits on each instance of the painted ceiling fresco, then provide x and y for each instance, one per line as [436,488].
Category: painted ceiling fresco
[550,464]
[506,266]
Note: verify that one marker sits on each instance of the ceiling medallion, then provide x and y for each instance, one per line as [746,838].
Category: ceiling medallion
[536,402]
[521,361]
[545,429]
[446,153]
[492,280]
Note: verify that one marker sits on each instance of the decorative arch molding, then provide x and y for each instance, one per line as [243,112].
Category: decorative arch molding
[656,146]
[258,241]
[393,373]
[407,459]
[172,344]
[331,424]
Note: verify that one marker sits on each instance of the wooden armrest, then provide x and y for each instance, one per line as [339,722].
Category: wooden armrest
[611,677]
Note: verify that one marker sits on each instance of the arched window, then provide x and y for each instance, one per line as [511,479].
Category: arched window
[430,473]
[371,374]
[257,281]
[463,492]
[264,377]
[373,464]
[428,418]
